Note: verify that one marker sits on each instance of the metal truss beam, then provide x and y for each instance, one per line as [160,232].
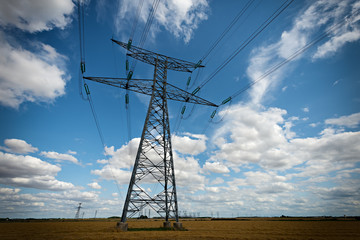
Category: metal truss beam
[145,86]
[150,57]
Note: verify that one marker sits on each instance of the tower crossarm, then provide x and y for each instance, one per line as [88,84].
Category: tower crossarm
[145,86]
[151,58]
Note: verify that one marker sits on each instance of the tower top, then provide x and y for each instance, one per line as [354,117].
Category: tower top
[153,58]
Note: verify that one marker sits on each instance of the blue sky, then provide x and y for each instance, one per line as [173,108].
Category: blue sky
[288,145]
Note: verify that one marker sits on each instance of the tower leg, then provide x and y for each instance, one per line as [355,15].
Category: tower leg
[178,226]
[122,226]
[167,224]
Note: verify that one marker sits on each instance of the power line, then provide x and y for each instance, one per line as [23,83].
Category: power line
[87,90]
[81,47]
[129,71]
[285,61]
[292,56]
[248,41]
[260,29]
[138,11]
[227,29]
[212,47]
[81,19]
[144,33]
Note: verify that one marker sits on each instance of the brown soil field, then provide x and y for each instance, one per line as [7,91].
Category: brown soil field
[246,228]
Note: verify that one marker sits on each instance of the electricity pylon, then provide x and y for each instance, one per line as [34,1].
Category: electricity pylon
[77,215]
[154,166]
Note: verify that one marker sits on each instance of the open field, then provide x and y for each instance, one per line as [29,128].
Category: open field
[244,228]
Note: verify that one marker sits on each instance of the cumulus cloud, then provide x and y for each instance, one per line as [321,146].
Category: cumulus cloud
[331,152]
[94,185]
[179,17]
[193,144]
[9,191]
[187,169]
[249,136]
[36,15]
[37,76]
[217,180]
[60,156]
[272,164]
[261,137]
[347,32]
[188,174]
[215,167]
[338,193]
[17,203]
[267,182]
[18,146]
[320,14]
[351,121]
[13,201]
[30,172]
[123,157]
[109,172]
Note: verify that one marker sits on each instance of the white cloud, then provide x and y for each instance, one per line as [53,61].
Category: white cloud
[257,137]
[39,182]
[187,169]
[9,191]
[94,185]
[287,130]
[216,167]
[351,121]
[265,182]
[331,152]
[123,157]
[72,152]
[179,17]
[338,193]
[25,166]
[306,26]
[347,32]
[60,156]
[30,172]
[188,174]
[217,180]
[248,136]
[73,195]
[30,76]
[18,146]
[111,173]
[306,109]
[36,75]
[36,15]
[314,124]
[16,203]
[193,144]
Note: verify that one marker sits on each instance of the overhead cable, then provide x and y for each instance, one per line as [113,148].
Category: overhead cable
[260,29]
[294,55]
[227,29]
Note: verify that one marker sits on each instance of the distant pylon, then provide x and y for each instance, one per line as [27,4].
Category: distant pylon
[77,215]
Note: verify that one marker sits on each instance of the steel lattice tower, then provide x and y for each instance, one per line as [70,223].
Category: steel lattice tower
[154,165]
[77,214]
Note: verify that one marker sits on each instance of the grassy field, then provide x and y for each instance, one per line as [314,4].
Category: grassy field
[245,228]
